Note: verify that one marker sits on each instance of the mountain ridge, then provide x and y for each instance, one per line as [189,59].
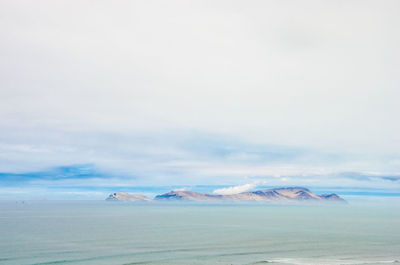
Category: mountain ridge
[285,194]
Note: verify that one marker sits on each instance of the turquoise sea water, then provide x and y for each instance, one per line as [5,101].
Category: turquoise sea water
[121,233]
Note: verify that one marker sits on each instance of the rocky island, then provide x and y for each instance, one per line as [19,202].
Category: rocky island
[289,194]
[123,196]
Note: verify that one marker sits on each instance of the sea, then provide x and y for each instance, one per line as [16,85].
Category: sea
[100,232]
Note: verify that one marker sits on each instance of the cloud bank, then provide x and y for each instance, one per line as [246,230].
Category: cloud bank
[200,92]
[236,189]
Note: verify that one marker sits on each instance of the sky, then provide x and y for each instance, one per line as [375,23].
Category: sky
[100,95]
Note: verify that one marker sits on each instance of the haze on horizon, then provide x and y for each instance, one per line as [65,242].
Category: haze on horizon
[152,93]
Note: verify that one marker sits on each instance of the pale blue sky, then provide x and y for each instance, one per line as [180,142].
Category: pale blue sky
[154,93]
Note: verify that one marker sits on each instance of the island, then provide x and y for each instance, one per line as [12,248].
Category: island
[287,194]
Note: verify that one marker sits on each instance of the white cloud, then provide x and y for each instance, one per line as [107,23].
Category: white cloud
[315,74]
[110,87]
[183,189]
[236,189]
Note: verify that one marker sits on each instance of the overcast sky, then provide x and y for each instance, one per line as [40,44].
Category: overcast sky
[194,92]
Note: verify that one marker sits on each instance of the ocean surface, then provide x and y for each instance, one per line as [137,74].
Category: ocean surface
[37,232]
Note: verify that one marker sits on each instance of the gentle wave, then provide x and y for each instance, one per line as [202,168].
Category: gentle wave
[332,262]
